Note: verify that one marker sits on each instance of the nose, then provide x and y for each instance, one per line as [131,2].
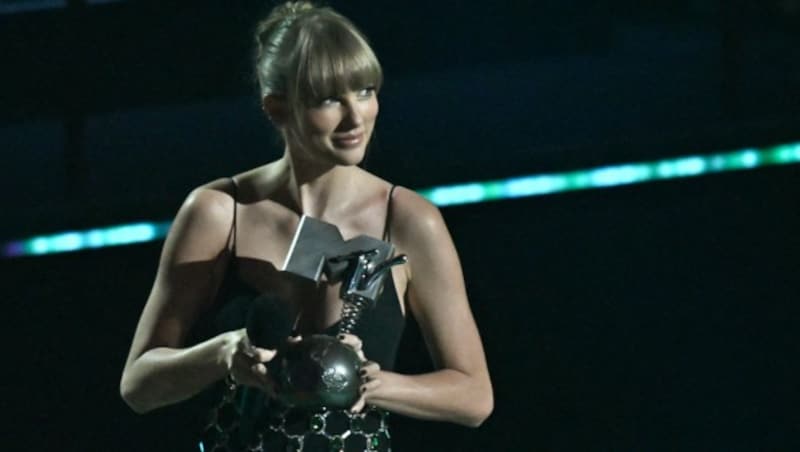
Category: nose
[353,115]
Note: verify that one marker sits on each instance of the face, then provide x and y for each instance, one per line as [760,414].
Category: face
[337,129]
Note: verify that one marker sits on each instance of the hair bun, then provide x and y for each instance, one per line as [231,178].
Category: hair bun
[295,8]
[281,17]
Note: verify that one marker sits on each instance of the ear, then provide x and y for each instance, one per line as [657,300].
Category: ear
[276,108]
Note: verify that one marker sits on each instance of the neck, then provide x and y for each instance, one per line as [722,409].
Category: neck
[319,190]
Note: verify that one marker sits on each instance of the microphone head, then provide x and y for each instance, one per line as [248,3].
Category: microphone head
[269,322]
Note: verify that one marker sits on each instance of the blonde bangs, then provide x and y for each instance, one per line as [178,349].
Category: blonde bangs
[336,60]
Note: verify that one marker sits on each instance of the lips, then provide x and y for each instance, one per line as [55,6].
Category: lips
[348,140]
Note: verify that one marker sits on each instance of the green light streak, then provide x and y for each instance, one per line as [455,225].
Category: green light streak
[450,195]
[125,234]
[612,176]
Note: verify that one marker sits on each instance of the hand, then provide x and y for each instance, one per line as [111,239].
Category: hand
[369,373]
[245,362]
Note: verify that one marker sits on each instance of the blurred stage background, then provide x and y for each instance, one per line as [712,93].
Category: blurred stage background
[657,316]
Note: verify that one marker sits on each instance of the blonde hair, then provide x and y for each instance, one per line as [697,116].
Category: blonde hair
[306,53]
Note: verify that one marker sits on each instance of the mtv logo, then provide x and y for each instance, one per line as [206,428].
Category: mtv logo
[318,247]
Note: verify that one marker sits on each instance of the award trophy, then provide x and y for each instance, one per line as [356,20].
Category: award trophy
[321,371]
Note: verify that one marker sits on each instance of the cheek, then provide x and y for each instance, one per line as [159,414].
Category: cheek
[320,122]
[372,110]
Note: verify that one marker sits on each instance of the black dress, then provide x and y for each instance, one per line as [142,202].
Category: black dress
[239,418]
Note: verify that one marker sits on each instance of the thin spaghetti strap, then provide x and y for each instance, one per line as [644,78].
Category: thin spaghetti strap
[233,226]
[387,233]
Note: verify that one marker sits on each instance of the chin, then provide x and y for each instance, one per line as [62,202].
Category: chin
[351,160]
[349,157]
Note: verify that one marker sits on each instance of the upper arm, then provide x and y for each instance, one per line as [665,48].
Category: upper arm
[436,292]
[192,261]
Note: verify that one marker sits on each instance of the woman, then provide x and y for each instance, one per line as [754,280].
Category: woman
[319,81]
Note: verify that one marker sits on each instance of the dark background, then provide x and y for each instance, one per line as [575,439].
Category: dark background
[651,317]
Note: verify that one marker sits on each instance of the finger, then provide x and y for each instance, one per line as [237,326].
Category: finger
[246,367]
[366,389]
[355,343]
[368,368]
[369,386]
[359,405]
[245,346]
[259,369]
[263,355]
[252,374]
[351,340]
[361,356]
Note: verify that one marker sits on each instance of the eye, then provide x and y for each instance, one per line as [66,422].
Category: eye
[366,92]
[329,101]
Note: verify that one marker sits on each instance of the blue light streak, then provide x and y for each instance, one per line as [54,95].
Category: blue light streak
[458,194]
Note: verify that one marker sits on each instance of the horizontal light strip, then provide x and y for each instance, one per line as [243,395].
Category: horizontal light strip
[24,6]
[21,6]
[125,234]
[611,176]
[450,195]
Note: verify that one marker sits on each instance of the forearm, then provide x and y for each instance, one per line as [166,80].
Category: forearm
[163,376]
[444,395]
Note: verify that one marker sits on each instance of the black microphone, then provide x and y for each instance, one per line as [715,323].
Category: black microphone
[269,322]
[268,325]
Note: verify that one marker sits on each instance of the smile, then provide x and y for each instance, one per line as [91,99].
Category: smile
[348,140]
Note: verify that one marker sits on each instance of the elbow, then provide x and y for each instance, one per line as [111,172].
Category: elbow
[133,397]
[134,404]
[481,410]
[480,407]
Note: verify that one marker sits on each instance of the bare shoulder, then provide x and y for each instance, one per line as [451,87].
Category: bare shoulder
[419,231]
[414,217]
[211,202]
[203,223]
